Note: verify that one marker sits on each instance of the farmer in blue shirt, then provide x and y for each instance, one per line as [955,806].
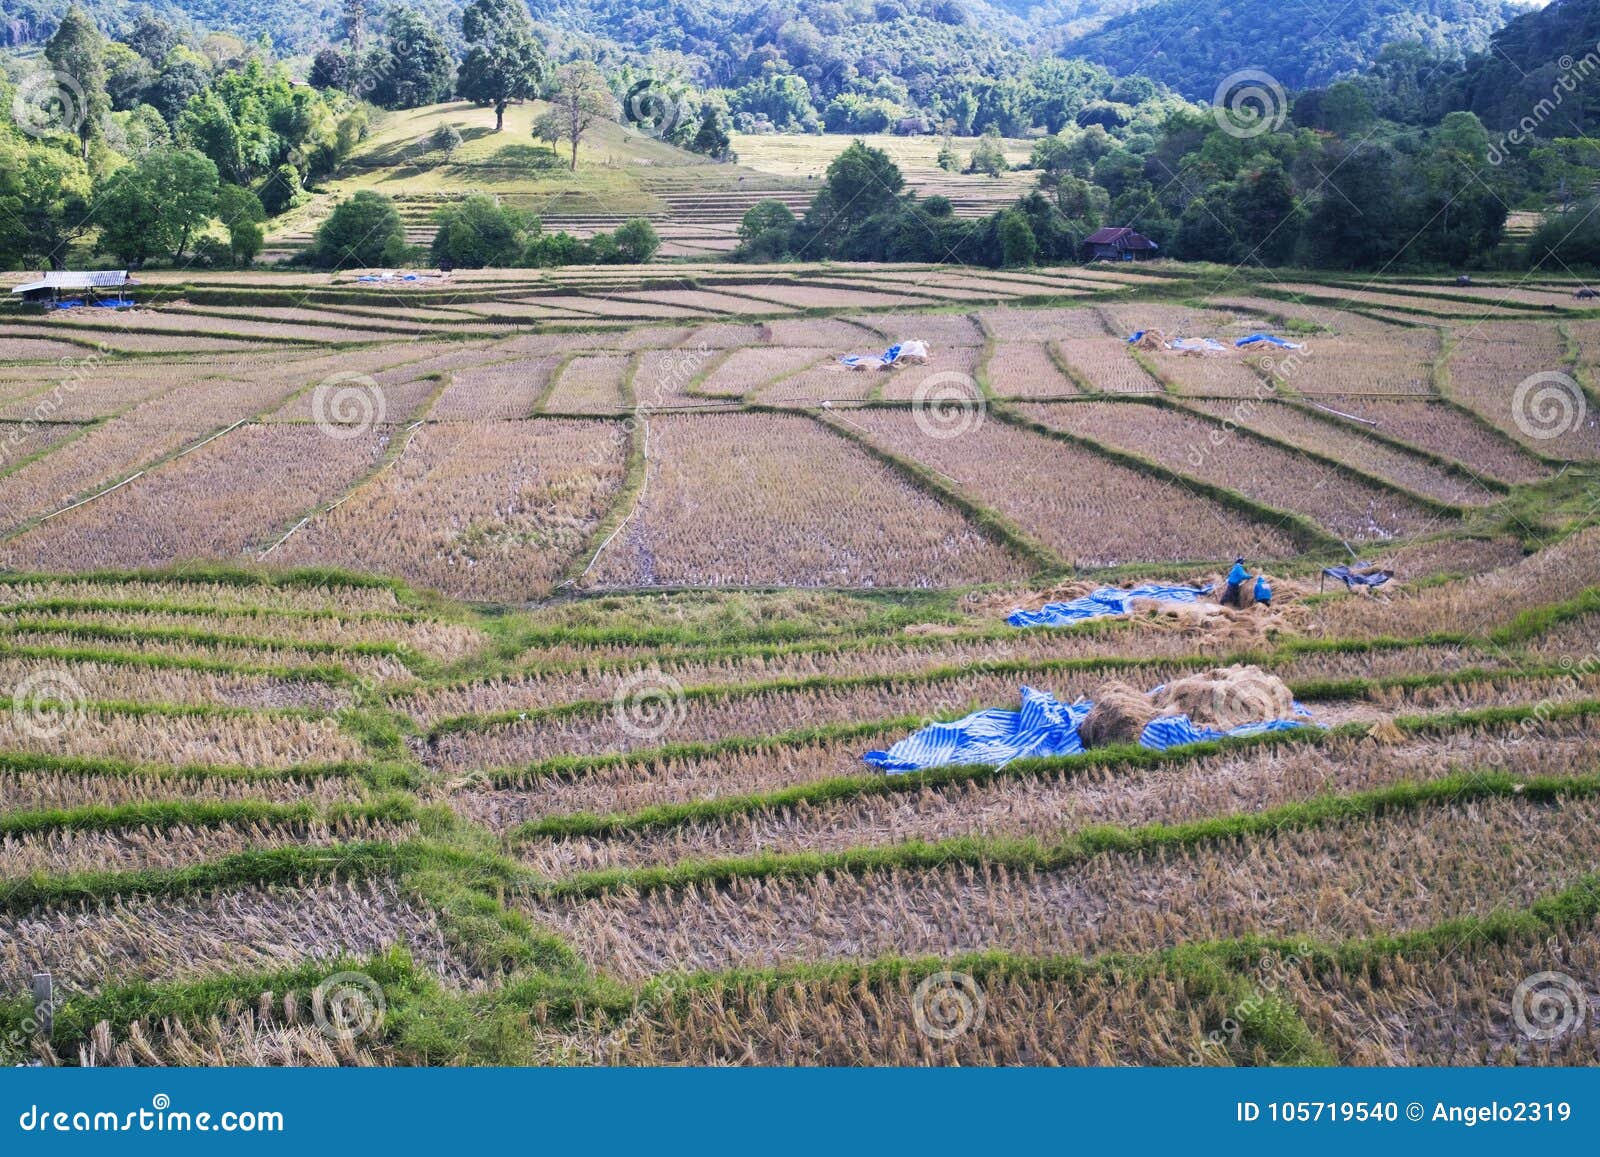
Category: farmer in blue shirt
[1263,591]
[1236,576]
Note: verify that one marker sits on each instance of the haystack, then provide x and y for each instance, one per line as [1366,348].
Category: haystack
[1226,697]
[1118,716]
[1151,339]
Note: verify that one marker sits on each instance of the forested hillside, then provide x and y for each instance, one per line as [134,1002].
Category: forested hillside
[933,60]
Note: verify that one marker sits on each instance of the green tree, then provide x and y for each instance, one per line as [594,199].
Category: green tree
[711,138]
[184,75]
[156,206]
[151,37]
[1018,245]
[478,232]
[765,215]
[361,232]
[127,76]
[580,98]
[414,65]
[242,215]
[78,51]
[860,184]
[445,139]
[504,61]
[989,155]
[44,194]
[636,241]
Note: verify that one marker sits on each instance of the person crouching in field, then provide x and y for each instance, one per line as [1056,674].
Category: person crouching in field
[1263,591]
[1236,577]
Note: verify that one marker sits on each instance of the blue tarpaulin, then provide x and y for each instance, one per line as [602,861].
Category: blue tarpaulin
[1104,601]
[1269,339]
[887,358]
[1044,726]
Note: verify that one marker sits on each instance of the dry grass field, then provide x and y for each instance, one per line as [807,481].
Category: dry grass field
[513,641]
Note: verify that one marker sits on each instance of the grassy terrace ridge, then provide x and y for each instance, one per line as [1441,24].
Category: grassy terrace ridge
[393,808]
[1081,846]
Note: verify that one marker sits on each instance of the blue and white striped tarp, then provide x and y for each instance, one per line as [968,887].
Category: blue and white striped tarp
[1045,726]
[1104,601]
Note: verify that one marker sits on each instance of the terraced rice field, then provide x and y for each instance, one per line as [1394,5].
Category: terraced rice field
[532,682]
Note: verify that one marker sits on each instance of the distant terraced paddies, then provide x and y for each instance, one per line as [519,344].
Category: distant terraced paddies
[1106,365]
[721,508]
[62,638]
[226,740]
[825,382]
[1347,880]
[495,390]
[1224,457]
[230,497]
[89,946]
[478,510]
[1346,443]
[1039,325]
[939,330]
[1026,369]
[81,341]
[1081,504]
[138,438]
[1516,375]
[1443,429]
[589,384]
[748,370]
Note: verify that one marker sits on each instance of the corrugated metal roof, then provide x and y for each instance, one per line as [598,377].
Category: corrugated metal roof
[88,279]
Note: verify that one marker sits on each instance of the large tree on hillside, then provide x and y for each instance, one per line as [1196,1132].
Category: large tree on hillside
[505,62]
[78,51]
[580,98]
[413,68]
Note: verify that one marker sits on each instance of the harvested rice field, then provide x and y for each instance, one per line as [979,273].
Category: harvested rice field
[517,643]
